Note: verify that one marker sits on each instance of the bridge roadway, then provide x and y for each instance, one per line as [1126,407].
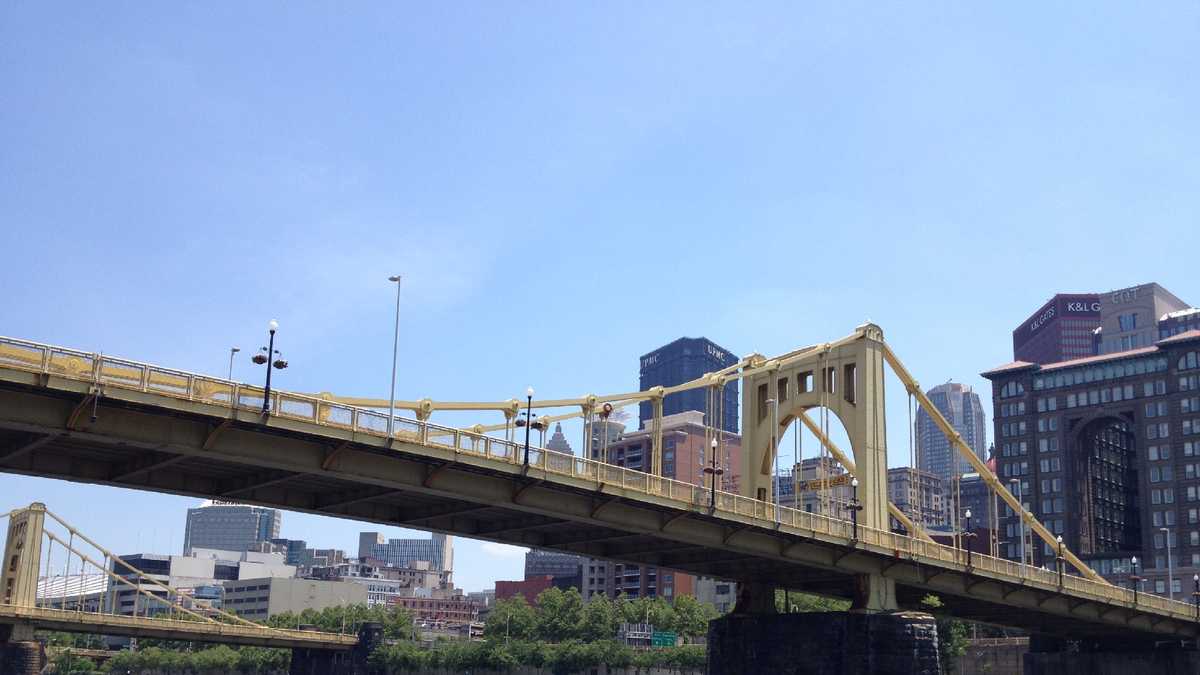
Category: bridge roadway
[71,621]
[80,417]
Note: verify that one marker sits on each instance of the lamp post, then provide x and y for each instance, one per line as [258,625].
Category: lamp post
[264,357]
[714,471]
[528,421]
[232,351]
[967,534]
[1196,594]
[1134,579]
[395,349]
[1021,521]
[1060,560]
[1170,565]
[854,506]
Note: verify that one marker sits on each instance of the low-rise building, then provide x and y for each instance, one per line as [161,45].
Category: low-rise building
[258,599]
[529,588]
[457,609]
[203,568]
[385,582]
[718,593]
[920,495]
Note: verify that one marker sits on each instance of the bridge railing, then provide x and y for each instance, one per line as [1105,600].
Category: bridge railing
[126,374]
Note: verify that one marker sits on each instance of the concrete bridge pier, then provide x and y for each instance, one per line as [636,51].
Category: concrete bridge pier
[20,653]
[873,638]
[1057,656]
[308,661]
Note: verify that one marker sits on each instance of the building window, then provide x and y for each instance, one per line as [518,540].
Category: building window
[1188,361]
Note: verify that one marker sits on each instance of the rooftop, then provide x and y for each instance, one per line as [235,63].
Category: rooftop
[1186,336]
[1180,313]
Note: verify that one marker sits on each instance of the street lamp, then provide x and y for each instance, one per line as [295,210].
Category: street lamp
[395,350]
[967,535]
[1134,579]
[714,471]
[1021,521]
[1196,594]
[1170,566]
[528,421]
[264,357]
[1060,561]
[232,351]
[854,506]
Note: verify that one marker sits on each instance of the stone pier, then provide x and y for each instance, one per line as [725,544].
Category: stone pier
[1050,656]
[824,643]
[20,654]
[324,662]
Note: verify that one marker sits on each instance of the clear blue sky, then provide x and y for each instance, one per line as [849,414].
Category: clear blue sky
[568,185]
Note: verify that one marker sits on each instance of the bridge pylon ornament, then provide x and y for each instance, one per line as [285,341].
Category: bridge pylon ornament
[22,553]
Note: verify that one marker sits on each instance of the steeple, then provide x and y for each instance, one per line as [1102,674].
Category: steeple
[558,442]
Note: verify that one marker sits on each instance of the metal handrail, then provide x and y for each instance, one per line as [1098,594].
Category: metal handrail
[127,374]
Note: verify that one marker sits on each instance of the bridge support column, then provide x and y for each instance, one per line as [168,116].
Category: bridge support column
[20,653]
[874,593]
[824,643]
[1051,656]
[306,661]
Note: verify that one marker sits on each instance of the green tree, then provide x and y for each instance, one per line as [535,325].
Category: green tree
[807,602]
[397,623]
[66,662]
[559,614]
[952,633]
[655,611]
[600,619]
[692,616]
[511,619]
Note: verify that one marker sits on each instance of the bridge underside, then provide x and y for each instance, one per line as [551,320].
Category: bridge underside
[137,442]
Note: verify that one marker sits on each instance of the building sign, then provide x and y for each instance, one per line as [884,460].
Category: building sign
[1060,306]
[1125,295]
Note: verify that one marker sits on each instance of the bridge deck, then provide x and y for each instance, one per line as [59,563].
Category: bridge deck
[163,430]
[171,629]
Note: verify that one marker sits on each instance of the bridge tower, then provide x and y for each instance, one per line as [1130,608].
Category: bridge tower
[20,653]
[847,378]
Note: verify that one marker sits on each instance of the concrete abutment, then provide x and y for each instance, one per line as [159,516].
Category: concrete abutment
[824,643]
[1051,656]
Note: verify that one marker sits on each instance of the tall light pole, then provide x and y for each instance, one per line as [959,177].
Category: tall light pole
[264,357]
[1196,594]
[528,421]
[855,506]
[967,534]
[1134,579]
[395,350]
[1020,516]
[232,351]
[714,471]
[1170,565]
[1060,560]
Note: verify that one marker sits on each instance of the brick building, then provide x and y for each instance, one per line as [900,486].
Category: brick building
[454,609]
[530,587]
[1105,450]
[685,454]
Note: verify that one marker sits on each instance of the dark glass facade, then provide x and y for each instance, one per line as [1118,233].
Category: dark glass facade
[682,361]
